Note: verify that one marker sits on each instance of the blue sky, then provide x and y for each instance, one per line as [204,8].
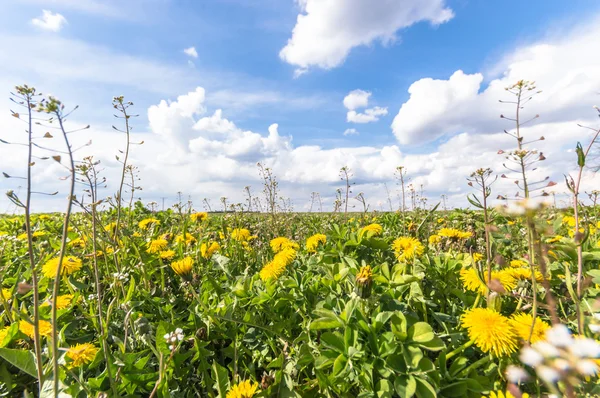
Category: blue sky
[135,48]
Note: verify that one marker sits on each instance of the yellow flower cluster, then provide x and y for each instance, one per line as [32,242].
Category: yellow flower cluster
[314,241]
[200,216]
[62,301]
[473,282]
[157,245]
[27,328]
[281,243]
[453,233]
[147,222]
[207,250]
[187,239]
[81,354]
[70,264]
[274,269]
[373,229]
[183,267]
[245,389]
[407,248]
[241,235]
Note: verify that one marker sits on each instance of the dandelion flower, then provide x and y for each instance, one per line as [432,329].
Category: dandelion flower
[183,267]
[519,263]
[157,245]
[490,331]
[314,241]
[27,328]
[278,244]
[453,233]
[110,227]
[434,240]
[3,333]
[6,294]
[147,222]
[70,264]
[472,281]
[81,354]
[245,389]
[521,323]
[34,235]
[207,250]
[364,281]
[524,274]
[555,239]
[77,242]
[477,257]
[569,220]
[240,234]
[62,301]
[166,255]
[407,248]
[277,266]
[188,239]
[374,229]
[507,394]
[200,216]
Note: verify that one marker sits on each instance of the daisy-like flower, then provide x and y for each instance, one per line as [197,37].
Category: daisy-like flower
[70,264]
[314,241]
[241,235]
[81,354]
[157,245]
[434,240]
[27,328]
[245,389]
[63,301]
[452,233]
[507,394]
[274,269]
[472,282]
[200,216]
[188,239]
[519,263]
[280,243]
[373,229]
[147,222]
[166,255]
[407,248]
[207,250]
[183,267]
[522,322]
[524,274]
[490,331]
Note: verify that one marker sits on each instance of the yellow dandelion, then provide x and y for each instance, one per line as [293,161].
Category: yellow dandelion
[77,242]
[365,275]
[207,250]
[440,220]
[281,243]
[70,264]
[507,394]
[472,282]
[34,235]
[240,234]
[43,217]
[452,233]
[200,216]
[519,263]
[569,220]
[166,255]
[555,239]
[245,389]
[157,245]
[3,333]
[277,266]
[6,294]
[314,241]
[407,248]
[183,267]
[81,354]
[27,328]
[188,239]
[477,257]
[136,234]
[511,223]
[373,229]
[62,301]
[490,331]
[434,240]
[147,222]
[522,322]
[524,274]
[110,227]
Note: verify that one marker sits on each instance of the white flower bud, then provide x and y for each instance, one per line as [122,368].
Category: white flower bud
[531,357]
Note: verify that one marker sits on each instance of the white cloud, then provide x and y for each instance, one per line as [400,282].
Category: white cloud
[369,115]
[191,51]
[50,21]
[563,68]
[357,99]
[327,30]
[348,132]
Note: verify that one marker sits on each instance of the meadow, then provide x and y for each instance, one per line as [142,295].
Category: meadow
[118,299]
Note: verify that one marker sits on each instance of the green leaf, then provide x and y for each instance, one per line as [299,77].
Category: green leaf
[340,364]
[399,326]
[435,344]
[405,386]
[325,323]
[221,377]
[21,359]
[421,332]
[333,341]
[385,389]
[424,389]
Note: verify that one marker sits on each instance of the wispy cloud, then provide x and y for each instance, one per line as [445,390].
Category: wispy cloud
[50,21]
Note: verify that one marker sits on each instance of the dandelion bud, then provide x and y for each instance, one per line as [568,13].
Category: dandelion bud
[364,281]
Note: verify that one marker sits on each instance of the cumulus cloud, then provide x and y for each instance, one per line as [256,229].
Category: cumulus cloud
[565,70]
[348,132]
[357,99]
[50,21]
[191,51]
[327,30]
